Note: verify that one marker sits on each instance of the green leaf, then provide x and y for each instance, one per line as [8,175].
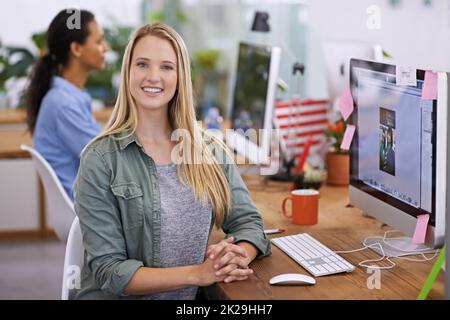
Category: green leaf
[39,39]
[181,17]
[207,59]
[386,54]
[156,16]
[21,66]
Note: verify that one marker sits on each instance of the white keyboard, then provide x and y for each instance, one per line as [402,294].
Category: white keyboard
[312,255]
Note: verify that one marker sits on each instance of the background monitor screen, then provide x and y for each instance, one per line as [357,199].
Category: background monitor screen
[251,87]
[394,148]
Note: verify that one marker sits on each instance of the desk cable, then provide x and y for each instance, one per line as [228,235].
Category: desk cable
[421,252]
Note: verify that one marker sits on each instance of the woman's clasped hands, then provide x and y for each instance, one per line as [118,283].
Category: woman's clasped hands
[226,262]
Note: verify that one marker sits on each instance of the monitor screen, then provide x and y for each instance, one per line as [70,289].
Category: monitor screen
[394,147]
[252,102]
[251,87]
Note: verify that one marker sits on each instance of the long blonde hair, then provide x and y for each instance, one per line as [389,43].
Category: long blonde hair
[207,178]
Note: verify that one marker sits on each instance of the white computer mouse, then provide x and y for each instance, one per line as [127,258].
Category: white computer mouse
[292,279]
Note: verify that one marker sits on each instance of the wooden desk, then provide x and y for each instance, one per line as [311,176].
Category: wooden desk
[339,228]
[10,141]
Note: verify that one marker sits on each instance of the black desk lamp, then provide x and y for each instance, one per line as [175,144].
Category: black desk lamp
[261,22]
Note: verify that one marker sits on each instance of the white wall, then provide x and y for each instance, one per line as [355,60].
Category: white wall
[21,18]
[412,33]
[19,195]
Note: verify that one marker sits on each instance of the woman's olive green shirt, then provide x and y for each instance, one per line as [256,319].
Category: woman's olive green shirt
[117,200]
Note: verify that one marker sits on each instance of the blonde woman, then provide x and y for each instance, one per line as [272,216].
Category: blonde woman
[145,216]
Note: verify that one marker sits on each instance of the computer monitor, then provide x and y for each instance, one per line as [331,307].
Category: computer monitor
[337,55]
[398,156]
[252,101]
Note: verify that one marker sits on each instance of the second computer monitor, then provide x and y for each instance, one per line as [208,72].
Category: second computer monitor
[252,101]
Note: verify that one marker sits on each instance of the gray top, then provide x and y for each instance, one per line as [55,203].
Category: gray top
[185,223]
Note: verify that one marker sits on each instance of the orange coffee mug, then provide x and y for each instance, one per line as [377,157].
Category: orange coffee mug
[305,206]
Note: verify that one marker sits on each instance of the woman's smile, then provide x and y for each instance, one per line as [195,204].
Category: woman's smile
[152,91]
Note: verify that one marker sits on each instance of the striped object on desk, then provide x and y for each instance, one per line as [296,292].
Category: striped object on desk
[297,120]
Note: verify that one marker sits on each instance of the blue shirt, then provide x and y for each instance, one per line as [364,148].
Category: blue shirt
[63,128]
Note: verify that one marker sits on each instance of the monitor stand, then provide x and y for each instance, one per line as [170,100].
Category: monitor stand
[391,246]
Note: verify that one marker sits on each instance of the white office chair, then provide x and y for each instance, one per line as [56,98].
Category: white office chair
[59,206]
[73,261]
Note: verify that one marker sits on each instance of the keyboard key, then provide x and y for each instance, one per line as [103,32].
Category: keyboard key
[321,269]
[348,265]
[328,268]
[334,265]
[314,269]
[340,264]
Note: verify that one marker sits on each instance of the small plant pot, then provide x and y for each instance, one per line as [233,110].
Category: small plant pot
[338,168]
[300,183]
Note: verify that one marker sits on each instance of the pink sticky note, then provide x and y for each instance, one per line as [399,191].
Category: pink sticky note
[429,90]
[348,136]
[421,229]
[346,103]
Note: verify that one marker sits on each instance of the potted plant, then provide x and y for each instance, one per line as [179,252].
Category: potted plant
[337,160]
[15,64]
[308,179]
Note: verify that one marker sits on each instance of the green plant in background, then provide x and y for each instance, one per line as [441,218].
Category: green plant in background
[40,40]
[204,62]
[156,16]
[162,16]
[207,59]
[313,176]
[17,61]
[386,54]
[14,62]
[15,65]
[205,78]
[308,179]
[3,68]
